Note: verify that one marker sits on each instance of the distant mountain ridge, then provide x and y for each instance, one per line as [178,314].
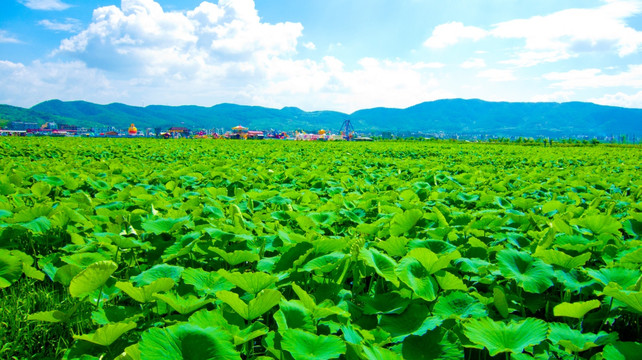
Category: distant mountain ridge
[451,116]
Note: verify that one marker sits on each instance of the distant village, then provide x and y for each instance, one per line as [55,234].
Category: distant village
[19,128]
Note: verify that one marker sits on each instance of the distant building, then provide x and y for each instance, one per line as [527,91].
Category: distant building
[21,125]
[177,131]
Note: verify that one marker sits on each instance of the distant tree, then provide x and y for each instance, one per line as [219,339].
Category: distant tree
[595,141]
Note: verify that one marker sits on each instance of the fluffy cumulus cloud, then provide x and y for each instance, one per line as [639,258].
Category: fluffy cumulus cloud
[5,37]
[620,99]
[596,78]
[139,53]
[557,36]
[45,4]
[453,32]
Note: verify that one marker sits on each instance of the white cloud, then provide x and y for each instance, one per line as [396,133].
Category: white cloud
[45,4]
[451,33]
[310,45]
[497,75]
[69,25]
[558,96]
[6,38]
[595,78]
[473,64]
[620,99]
[557,36]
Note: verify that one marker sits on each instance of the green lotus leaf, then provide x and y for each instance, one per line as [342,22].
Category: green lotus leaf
[40,189]
[383,264]
[107,334]
[10,268]
[187,342]
[531,274]
[183,305]
[500,302]
[145,293]
[236,257]
[325,263]
[156,272]
[554,257]
[574,280]
[206,282]
[499,337]
[82,260]
[402,223]
[107,314]
[631,298]
[412,273]
[294,315]
[431,261]
[599,224]
[633,257]
[91,278]
[386,303]
[621,276]
[407,323]
[264,301]
[160,226]
[576,310]
[131,352]
[39,225]
[622,350]
[633,226]
[437,344]
[458,305]
[576,341]
[379,353]
[448,281]
[303,345]
[53,316]
[252,282]
[394,246]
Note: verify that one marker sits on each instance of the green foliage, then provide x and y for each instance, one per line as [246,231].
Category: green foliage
[145,249]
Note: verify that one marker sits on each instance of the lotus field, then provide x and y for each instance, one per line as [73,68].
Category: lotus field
[205,249]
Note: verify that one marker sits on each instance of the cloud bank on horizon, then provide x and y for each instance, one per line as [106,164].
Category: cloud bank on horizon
[154,52]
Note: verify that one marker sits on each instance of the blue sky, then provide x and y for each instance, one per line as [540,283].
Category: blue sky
[320,55]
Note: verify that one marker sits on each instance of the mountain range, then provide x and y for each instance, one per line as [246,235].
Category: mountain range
[450,116]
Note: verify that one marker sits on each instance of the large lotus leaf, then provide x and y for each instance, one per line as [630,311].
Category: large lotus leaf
[294,315]
[54,316]
[82,260]
[406,323]
[449,281]
[325,263]
[412,273]
[107,334]
[39,225]
[438,344]
[633,226]
[576,341]
[206,282]
[159,226]
[131,352]
[10,268]
[158,272]
[554,257]
[622,350]
[575,310]
[182,304]
[145,293]
[621,276]
[383,264]
[431,261]
[402,223]
[500,337]
[379,353]
[394,246]
[252,282]
[236,257]
[500,302]
[303,345]
[187,342]
[458,305]
[264,301]
[634,257]
[386,303]
[631,298]
[91,278]
[574,280]
[531,274]
[40,189]
[599,224]
[114,313]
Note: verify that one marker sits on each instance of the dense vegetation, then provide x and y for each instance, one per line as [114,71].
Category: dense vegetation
[203,249]
[454,116]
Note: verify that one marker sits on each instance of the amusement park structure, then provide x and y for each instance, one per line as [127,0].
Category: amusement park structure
[346,130]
